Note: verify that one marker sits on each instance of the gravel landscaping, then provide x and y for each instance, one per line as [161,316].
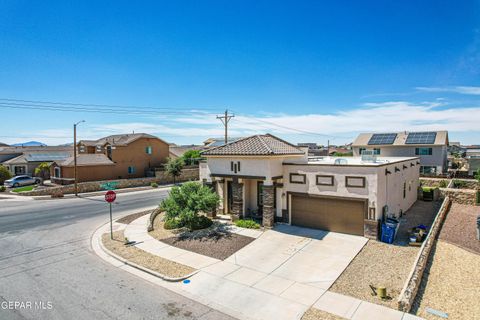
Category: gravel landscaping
[315,314]
[128,219]
[143,258]
[450,283]
[460,227]
[215,241]
[377,264]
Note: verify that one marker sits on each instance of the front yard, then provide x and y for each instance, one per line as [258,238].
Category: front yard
[22,189]
[215,241]
[386,265]
[132,254]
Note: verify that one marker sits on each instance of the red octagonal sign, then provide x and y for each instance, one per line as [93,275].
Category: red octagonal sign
[110,196]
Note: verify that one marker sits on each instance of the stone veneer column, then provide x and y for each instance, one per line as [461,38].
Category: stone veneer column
[237,194]
[268,206]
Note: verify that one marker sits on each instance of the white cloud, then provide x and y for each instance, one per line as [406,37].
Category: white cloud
[456,89]
[340,126]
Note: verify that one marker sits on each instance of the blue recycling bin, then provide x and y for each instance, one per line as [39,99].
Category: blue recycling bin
[388,233]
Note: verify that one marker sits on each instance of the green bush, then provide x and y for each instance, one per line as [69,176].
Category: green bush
[200,222]
[247,223]
[191,157]
[4,174]
[443,184]
[2,188]
[459,184]
[172,224]
[154,185]
[187,201]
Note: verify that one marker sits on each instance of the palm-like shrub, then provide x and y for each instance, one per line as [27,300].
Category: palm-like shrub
[174,167]
[185,204]
[4,174]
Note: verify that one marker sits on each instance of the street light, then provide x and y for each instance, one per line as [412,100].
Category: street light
[75,154]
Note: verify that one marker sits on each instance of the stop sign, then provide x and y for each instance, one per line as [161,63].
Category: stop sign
[110,196]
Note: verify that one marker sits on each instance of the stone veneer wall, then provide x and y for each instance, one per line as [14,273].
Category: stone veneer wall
[161,178]
[461,196]
[409,292]
[268,206]
[371,229]
[237,195]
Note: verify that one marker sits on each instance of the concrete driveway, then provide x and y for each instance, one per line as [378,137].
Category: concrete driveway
[278,276]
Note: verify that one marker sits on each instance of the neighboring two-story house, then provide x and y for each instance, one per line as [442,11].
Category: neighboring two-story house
[113,157]
[431,147]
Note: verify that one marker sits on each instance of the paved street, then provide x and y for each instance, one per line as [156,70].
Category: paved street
[46,260]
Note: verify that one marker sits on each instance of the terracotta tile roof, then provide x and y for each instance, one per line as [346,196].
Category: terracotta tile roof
[258,145]
[117,139]
[87,159]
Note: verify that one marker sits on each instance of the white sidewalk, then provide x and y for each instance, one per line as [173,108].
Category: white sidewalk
[249,294]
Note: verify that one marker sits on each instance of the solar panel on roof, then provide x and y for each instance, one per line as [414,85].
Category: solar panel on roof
[382,138]
[421,138]
[46,156]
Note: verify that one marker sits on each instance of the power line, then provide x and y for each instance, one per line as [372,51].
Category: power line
[108,105]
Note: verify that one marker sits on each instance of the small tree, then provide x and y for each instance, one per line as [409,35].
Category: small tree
[174,167]
[477,175]
[4,174]
[191,157]
[184,203]
[42,170]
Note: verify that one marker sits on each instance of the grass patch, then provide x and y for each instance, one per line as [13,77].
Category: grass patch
[247,223]
[22,189]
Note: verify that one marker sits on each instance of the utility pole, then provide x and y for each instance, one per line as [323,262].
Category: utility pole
[225,120]
[75,155]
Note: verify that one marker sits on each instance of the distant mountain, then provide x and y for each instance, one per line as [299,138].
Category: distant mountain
[66,145]
[3,144]
[29,144]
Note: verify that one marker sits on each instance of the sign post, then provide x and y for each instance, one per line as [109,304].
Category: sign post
[110,196]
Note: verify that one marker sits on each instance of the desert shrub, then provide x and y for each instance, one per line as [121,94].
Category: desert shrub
[187,201]
[172,224]
[201,222]
[459,184]
[2,188]
[154,185]
[443,184]
[57,194]
[247,223]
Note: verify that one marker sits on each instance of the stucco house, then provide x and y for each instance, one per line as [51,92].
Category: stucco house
[23,160]
[113,157]
[431,147]
[264,176]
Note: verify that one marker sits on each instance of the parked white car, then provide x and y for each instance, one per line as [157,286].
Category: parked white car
[19,181]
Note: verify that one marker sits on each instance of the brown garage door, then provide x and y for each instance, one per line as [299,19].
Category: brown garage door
[332,214]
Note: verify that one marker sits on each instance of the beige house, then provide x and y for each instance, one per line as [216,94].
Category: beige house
[431,147]
[263,176]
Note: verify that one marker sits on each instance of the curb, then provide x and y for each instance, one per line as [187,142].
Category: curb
[131,264]
[99,193]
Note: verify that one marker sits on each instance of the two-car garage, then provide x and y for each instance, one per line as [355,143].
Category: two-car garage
[337,214]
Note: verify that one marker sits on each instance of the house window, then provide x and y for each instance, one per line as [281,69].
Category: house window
[148,150]
[99,148]
[423,151]
[57,172]
[19,170]
[109,152]
[131,170]
[376,151]
[298,178]
[428,170]
[355,182]
[81,148]
[324,180]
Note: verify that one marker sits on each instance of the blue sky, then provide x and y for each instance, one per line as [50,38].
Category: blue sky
[304,70]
